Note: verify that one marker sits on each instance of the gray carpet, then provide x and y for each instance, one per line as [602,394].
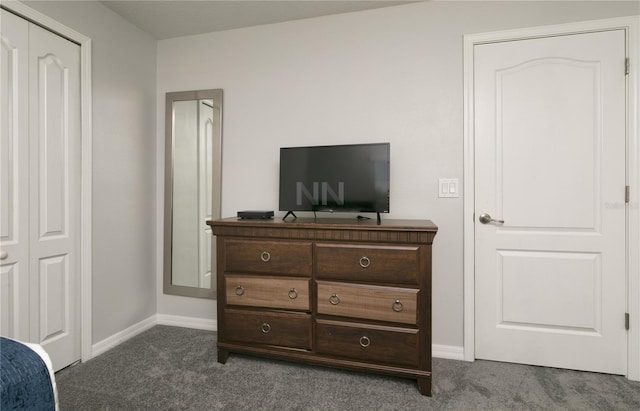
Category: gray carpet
[171,368]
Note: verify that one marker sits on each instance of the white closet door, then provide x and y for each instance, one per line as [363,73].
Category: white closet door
[55,193]
[41,198]
[14,177]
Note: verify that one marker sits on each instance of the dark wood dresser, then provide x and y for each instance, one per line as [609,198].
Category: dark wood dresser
[351,294]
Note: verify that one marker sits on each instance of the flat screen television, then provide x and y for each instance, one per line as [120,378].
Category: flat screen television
[349,178]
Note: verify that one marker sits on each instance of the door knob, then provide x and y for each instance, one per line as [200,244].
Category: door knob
[486,219]
[3,255]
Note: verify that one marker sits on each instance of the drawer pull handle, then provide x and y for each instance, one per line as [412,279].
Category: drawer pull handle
[334,299]
[397,306]
[265,328]
[365,262]
[265,256]
[239,290]
[364,341]
[293,293]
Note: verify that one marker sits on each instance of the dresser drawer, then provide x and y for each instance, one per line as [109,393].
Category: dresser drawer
[389,345]
[255,327]
[368,263]
[279,257]
[368,301]
[291,293]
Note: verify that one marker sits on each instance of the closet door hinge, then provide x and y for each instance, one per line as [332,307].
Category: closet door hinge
[626,321]
[627,194]
[626,66]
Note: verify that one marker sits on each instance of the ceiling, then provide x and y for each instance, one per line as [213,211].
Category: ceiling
[175,18]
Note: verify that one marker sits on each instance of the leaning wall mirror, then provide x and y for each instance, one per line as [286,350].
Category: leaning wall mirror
[193,174]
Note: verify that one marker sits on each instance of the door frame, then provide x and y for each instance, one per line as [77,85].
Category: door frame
[631,25]
[86,161]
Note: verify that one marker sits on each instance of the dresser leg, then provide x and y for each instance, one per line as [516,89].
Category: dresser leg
[223,355]
[424,386]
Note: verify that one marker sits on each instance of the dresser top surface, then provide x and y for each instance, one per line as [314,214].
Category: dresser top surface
[331,224]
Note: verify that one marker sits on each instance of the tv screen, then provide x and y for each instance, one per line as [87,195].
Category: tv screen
[351,178]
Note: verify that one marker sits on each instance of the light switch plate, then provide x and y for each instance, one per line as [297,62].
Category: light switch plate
[448,188]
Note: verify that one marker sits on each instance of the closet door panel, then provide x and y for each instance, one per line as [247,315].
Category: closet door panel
[55,194]
[14,173]
[53,89]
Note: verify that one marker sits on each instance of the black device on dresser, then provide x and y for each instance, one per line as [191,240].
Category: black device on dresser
[255,214]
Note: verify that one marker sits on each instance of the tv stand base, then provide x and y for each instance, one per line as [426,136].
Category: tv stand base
[290,213]
[367,218]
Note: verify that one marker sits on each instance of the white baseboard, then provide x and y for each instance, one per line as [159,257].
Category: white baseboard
[449,352]
[157,319]
[188,322]
[122,336]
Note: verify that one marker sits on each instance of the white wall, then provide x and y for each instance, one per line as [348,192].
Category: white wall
[392,74]
[124,229]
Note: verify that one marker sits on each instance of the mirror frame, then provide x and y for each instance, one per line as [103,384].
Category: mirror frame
[171,97]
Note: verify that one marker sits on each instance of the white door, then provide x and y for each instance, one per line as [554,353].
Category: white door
[41,201]
[14,176]
[550,162]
